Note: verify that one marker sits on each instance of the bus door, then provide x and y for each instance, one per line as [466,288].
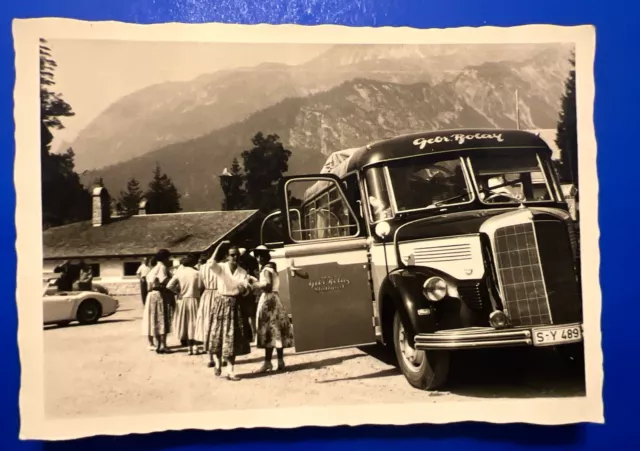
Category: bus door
[327,268]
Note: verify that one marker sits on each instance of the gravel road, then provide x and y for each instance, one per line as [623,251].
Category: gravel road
[105,369]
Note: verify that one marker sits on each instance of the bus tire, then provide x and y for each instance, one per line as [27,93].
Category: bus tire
[424,370]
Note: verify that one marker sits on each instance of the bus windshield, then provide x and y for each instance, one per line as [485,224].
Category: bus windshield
[420,183]
[510,176]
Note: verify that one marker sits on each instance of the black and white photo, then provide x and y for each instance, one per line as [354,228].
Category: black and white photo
[241,226]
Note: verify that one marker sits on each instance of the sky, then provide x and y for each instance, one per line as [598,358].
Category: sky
[91,75]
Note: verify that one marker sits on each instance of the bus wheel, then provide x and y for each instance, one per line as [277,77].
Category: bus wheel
[424,370]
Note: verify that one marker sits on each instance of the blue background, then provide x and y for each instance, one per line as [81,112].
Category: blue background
[617,100]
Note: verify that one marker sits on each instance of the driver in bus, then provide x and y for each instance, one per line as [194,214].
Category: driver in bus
[498,181]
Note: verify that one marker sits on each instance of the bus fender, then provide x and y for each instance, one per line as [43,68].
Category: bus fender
[405,293]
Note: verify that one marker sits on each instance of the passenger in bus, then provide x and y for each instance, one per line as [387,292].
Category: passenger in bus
[227,336]
[273,325]
[379,209]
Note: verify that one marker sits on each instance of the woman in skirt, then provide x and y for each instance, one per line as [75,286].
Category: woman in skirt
[156,316]
[203,319]
[227,337]
[187,282]
[273,326]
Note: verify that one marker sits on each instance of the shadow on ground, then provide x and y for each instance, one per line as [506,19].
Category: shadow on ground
[297,367]
[99,323]
[498,373]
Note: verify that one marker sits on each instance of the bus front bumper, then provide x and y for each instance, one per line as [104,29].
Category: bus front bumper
[488,337]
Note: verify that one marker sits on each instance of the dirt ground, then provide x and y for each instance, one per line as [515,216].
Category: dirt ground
[105,369]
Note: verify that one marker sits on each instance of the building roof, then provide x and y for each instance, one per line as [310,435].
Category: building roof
[143,235]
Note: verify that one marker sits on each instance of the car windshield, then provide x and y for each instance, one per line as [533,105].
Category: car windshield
[423,183]
[510,176]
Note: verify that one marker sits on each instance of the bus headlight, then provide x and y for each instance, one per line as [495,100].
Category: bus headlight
[435,289]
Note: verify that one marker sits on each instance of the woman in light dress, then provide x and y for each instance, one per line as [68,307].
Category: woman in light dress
[273,326]
[203,320]
[187,282]
[227,337]
[141,273]
[156,316]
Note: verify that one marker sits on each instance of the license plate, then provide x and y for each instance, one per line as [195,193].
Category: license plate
[550,336]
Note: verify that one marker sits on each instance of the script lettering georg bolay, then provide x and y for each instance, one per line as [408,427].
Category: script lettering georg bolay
[458,138]
[328,284]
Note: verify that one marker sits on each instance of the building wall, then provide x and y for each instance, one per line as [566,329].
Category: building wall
[112,275]
[112,269]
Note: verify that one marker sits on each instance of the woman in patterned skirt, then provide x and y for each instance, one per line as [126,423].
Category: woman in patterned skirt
[227,338]
[273,326]
[187,281]
[156,317]
[203,320]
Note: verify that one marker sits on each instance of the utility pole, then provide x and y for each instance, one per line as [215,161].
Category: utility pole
[517,111]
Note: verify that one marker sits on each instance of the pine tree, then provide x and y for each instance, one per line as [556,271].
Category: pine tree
[162,195]
[567,131]
[264,166]
[233,188]
[129,200]
[52,106]
[64,199]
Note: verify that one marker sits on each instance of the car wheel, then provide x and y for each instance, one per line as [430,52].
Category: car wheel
[89,312]
[425,370]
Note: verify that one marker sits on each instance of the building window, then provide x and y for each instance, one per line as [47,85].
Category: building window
[130,268]
[95,269]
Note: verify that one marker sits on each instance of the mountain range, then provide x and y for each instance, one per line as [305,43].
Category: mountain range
[347,97]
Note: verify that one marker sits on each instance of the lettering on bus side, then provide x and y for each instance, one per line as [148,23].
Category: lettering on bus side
[326,284]
[459,138]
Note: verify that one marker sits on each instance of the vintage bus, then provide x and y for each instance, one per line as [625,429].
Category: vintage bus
[430,243]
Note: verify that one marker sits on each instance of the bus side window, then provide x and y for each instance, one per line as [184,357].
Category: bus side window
[325,211]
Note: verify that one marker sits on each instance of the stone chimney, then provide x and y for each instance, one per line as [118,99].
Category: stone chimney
[142,207]
[101,212]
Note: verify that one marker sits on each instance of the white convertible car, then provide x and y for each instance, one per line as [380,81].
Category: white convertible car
[86,307]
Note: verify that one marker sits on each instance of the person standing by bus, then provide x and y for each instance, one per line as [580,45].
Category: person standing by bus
[248,302]
[156,316]
[227,337]
[273,326]
[204,318]
[141,273]
[189,286]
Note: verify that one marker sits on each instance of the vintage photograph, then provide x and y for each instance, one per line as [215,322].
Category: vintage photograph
[257,227]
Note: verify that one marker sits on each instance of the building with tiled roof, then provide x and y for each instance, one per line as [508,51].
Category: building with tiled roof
[114,246]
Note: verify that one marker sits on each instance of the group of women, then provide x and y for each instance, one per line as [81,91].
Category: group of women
[201,305]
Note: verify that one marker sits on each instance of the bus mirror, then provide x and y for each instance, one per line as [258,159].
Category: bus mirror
[383,229]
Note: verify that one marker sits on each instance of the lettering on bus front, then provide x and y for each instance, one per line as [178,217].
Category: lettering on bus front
[459,138]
